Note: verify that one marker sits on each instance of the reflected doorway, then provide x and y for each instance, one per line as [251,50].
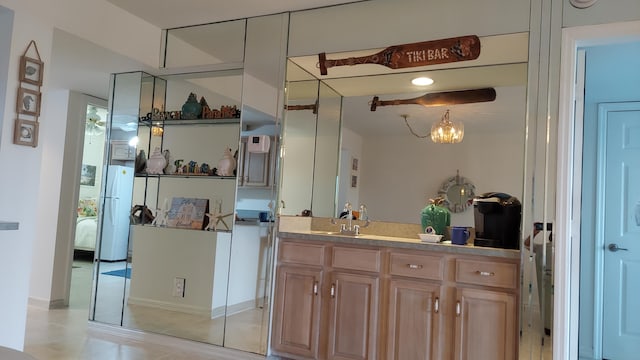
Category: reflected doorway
[86,226]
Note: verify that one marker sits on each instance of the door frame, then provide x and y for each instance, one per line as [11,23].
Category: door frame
[569,176]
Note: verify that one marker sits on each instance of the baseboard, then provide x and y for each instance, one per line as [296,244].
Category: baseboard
[189,309]
[47,304]
[135,336]
[235,308]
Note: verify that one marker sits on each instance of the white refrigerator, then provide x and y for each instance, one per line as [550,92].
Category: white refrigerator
[115,219]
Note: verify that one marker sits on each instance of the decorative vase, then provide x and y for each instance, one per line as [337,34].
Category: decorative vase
[436,216]
[156,162]
[227,164]
[191,108]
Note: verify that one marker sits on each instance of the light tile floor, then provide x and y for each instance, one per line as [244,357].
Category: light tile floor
[67,334]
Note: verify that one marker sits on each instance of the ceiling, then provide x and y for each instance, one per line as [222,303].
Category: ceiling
[167,14]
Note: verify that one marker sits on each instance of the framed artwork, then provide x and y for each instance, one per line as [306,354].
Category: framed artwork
[31,70]
[187,213]
[26,133]
[88,175]
[354,181]
[354,164]
[28,102]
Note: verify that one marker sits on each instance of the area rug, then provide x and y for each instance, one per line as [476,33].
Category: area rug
[122,273]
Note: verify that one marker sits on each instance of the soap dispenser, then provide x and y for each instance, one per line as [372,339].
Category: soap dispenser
[436,216]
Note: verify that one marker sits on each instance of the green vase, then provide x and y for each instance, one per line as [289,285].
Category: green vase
[191,108]
[436,216]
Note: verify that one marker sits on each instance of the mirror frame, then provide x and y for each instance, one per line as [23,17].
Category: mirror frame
[466,185]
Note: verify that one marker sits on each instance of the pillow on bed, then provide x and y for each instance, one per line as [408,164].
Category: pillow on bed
[87,207]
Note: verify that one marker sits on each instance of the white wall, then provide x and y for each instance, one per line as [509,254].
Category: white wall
[33,175]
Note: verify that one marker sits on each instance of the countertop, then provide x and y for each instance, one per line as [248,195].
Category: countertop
[8,225]
[299,228]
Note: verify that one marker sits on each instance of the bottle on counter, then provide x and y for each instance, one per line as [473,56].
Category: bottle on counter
[436,216]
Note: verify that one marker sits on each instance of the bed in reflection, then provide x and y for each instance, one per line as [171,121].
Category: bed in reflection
[86,228]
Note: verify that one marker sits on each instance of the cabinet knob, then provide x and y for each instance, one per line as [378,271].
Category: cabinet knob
[414,266]
[333,290]
[458,308]
[436,305]
[315,288]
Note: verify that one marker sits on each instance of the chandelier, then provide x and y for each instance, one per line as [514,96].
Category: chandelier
[446,131]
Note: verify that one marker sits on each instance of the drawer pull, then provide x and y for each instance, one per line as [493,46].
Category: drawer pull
[485,273]
[436,305]
[414,266]
[315,288]
[458,308]
[333,290]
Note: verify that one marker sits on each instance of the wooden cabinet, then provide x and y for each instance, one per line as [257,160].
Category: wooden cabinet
[486,318]
[353,316]
[253,168]
[486,324]
[394,304]
[297,303]
[340,313]
[414,308]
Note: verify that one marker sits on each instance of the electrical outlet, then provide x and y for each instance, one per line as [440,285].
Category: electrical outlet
[178,287]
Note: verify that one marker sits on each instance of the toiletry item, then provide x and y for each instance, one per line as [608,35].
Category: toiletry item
[436,216]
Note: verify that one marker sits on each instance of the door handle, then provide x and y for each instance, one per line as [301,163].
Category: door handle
[614,248]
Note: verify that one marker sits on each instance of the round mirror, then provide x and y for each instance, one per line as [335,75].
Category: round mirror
[457,193]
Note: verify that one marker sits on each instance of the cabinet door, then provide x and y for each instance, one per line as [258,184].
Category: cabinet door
[297,308]
[485,325]
[353,316]
[414,308]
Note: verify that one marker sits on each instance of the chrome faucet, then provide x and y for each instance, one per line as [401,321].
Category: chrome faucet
[349,228]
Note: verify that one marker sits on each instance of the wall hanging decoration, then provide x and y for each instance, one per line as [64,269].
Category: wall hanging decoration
[29,98]
[441,98]
[26,133]
[313,107]
[424,53]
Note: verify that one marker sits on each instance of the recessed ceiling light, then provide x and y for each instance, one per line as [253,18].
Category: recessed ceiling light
[422,81]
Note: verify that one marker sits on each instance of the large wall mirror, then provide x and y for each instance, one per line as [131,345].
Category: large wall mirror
[208,286]
[388,162]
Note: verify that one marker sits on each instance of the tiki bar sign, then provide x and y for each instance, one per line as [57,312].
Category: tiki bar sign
[424,53]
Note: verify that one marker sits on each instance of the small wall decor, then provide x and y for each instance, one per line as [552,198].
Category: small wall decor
[29,98]
[424,53]
[88,175]
[26,133]
[31,69]
[28,102]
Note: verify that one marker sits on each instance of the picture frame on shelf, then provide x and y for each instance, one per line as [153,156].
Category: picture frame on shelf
[187,213]
[26,133]
[28,102]
[31,70]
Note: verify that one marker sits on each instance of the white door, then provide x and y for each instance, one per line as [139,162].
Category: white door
[619,159]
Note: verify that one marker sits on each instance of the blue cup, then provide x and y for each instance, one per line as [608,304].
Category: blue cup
[459,235]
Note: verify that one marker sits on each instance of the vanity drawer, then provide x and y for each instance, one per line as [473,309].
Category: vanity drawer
[356,259]
[301,253]
[478,272]
[417,266]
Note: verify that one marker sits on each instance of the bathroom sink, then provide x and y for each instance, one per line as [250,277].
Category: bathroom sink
[335,233]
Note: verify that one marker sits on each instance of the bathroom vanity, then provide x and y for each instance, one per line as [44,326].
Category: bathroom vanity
[387,295]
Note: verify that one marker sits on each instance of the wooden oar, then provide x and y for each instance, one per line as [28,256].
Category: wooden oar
[441,98]
[415,54]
